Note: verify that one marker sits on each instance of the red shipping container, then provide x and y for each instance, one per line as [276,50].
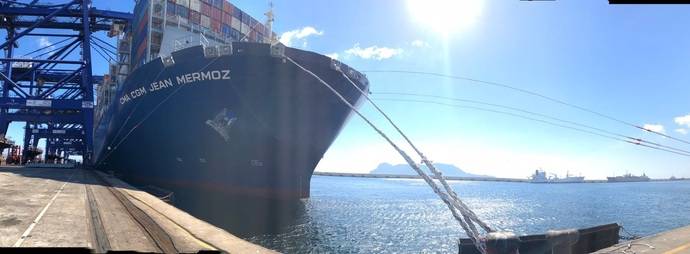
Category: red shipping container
[227,7]
[216,14]
[259,28]
[205,9]
[215,26]
[227,19]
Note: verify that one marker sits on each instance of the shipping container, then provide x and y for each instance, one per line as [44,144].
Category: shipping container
[246,18]
[227,7]
[252,23]
[194,17]
[184,3]
[236,24]
[195,5]
[216,14]
[205,21]
[259,28]
[182,11]
[225,29]
[215,26]
[237,13]
[234,34]
[206,2]
[218,4]
[227,19]
[205,9]
[245,28]
[170,9]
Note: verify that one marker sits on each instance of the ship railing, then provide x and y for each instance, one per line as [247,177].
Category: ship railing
[202,40]
[190,41]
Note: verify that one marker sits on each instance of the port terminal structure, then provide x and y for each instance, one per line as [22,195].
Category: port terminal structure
[52,92]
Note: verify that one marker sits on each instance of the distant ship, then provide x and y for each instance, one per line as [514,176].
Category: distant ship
[628,178]
[540,176]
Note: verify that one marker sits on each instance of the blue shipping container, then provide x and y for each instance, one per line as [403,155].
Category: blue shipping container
[225,29]
[235,34]
[171,8]
[182,11]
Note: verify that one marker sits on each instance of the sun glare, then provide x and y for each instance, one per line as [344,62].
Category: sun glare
[445,16]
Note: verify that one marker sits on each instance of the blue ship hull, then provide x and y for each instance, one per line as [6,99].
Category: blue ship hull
[245,125]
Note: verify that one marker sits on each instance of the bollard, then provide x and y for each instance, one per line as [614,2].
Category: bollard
[502,243]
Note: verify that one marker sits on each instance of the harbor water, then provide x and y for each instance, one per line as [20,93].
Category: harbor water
[364,215]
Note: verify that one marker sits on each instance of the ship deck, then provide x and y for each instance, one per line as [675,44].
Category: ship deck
[668,242]
[75,208]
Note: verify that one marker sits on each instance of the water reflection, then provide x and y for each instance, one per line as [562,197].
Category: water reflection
[354,215]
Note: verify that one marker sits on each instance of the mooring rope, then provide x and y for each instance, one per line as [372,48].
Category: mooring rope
[465,220]
[425,160]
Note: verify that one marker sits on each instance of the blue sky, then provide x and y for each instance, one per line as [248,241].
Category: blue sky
[630,62]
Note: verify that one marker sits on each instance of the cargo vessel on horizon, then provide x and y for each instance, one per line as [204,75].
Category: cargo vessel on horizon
[540,176]
[628,178]
[205,100]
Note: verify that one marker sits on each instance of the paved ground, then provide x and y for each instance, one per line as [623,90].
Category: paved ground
[50,207]
[670,242]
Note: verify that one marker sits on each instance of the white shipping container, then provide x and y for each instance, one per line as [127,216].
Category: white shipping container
[245,28]
[236,24]
[195,5]
[205,21]
[184,3]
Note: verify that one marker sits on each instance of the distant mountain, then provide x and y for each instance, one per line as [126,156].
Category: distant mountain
[404,169]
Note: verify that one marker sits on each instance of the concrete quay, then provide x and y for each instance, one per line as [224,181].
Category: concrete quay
[75,208]
[674,241]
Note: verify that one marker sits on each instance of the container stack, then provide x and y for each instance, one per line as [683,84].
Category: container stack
[218,18]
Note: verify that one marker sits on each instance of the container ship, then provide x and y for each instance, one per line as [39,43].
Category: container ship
[539,176]
[628,178]
[203,99]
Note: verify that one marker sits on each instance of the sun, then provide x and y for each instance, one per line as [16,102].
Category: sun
[445,16]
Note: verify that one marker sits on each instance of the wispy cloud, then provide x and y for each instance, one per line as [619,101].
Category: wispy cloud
[683,120]
[299,36]
[419,44]
[43,42]
[654,127]
[373,52]
[682,131]
[333,55]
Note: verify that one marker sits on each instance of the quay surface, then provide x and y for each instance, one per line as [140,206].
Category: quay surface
[674,241]
[59,207]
